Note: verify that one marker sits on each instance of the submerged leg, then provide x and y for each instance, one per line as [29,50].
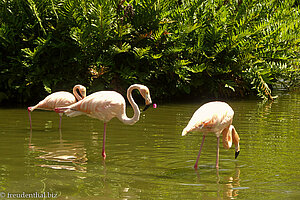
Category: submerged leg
[196,164]
[218,149]
[104,138]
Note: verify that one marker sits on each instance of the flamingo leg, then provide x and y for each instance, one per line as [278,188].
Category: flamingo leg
[60,117]
[196,164]
[29,114]
[104,138]
[217,160]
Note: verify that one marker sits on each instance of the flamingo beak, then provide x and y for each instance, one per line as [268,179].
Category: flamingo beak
[148,102]
[237,154]
[146,107]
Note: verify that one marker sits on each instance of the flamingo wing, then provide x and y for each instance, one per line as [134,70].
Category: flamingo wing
[57,99]
[103,105]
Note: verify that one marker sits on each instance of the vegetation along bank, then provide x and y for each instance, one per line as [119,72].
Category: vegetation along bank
[223,48]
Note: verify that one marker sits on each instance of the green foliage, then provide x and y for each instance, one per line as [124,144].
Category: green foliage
[197,47]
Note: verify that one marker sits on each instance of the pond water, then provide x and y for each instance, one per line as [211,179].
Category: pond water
[151,160]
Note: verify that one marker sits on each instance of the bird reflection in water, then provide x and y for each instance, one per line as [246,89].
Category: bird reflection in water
[229,185]
[61,152]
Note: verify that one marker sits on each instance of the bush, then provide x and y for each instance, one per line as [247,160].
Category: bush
[177,48]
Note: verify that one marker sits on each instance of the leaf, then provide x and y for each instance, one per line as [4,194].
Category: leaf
[156,56]
[197,68]
[36,13]
[47,89]
[230,87]
[141,52]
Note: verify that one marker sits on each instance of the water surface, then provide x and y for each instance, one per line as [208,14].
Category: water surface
[151,160]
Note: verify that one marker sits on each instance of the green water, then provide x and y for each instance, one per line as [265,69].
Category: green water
[151,160]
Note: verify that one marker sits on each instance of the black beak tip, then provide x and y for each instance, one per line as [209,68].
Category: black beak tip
[146,107]
[237,154]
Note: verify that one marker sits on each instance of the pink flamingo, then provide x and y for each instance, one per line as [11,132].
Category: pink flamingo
[105,105]
[59,99]
[214,117]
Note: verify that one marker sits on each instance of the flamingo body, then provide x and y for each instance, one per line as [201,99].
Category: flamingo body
[211,117]
[214,117]
[105,105]
[55,100]
[59,99]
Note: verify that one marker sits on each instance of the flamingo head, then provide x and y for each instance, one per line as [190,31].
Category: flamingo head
[146,95]
[82,91]
[236,141]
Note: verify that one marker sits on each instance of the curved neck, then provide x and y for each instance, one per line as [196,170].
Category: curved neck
[235,139]
[136,115]
[230,136]
[75,92]
[227,137]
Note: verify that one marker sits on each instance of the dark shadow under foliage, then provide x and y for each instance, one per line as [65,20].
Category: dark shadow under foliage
[196,48]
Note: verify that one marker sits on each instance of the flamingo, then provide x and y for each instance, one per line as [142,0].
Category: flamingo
[105,105]
[214,117]
[59,99]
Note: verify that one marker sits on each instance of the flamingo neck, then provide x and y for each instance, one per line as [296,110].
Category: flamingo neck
[227,137]
[235,139]
[75,92]
[32,108]
[230,136]
[136,115]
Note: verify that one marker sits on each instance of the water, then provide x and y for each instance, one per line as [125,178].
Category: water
[151,160]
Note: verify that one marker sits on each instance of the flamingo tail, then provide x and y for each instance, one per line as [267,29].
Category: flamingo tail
[189,128]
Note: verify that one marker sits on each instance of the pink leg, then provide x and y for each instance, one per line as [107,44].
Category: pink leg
[104,138]
[29,114]
[60,116]
[217,161]
[196,164]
